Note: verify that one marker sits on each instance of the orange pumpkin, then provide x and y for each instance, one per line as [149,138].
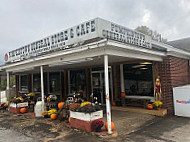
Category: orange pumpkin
[113,103]
[123,94]
[47,99]
[61,104]
[112,126]
[69,119]
[149,106]
[23,110]
[53,116]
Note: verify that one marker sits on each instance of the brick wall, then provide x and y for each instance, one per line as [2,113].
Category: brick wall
[173,72]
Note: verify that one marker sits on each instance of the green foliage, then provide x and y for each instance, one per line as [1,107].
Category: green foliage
[154,34]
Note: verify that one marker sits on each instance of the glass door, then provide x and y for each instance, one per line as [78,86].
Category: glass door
[98,86]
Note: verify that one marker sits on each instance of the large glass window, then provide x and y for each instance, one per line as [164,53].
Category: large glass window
[23,83]
[54,80]
[36,83]
[139,79]
[77,82]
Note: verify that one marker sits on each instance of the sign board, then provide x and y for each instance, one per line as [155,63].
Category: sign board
[181,98]
[69,38]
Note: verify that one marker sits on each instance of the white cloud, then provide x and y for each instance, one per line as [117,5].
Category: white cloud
[24,21]
[146,19]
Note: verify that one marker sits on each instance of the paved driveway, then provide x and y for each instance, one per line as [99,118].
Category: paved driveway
[131,127]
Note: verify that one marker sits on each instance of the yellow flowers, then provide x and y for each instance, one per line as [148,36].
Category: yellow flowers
[31,94]
[84,103]
[52,111]
[157,104]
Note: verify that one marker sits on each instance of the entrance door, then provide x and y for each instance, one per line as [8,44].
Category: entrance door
[98,85]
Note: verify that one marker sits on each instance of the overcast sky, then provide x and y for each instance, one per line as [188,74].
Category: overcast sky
[25,21]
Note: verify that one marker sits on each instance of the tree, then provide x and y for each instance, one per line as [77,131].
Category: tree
[154,34]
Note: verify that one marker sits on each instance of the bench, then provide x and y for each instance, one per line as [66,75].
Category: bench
[144,99]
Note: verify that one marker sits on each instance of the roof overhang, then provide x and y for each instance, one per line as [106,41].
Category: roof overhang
[117,51]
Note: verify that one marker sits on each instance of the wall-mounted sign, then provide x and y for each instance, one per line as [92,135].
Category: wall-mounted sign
[181,99]
[88,30]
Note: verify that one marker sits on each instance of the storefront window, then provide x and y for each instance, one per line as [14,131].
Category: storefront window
[36,83]
[54,80]
[139,79]
[77,82]
[24,83]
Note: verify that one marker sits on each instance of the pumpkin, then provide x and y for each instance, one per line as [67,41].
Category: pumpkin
[149,106]
[53,116]
[23,110]
[112,126]
[113,103]
[123,94]
[69,119]
[48,99]
[61,104]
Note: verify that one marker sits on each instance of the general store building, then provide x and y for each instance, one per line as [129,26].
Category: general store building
[77,59]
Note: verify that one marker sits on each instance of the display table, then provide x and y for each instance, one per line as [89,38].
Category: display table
[15,108]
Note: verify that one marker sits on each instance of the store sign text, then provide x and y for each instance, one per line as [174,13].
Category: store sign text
[53,42]
[125,35]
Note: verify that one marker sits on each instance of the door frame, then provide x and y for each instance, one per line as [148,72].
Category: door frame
[110,82]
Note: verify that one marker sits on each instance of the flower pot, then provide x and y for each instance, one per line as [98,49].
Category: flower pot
[83,121]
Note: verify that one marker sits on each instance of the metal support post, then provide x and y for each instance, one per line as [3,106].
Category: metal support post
[108,109]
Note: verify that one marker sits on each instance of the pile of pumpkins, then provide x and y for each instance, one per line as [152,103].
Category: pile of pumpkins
[53,112]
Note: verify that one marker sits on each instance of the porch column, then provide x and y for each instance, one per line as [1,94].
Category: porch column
[107,93]
[42,83]
[8,85]
[122,84]
[122,78]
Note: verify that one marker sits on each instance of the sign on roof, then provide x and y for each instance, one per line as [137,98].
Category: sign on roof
[95,28]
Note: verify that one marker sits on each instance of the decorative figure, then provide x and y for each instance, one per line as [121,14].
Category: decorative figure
[157,90]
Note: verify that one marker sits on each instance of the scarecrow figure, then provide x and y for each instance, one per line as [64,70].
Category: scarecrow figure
[157,90]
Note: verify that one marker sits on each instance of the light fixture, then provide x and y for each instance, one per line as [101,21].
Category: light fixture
[146,63]
[71,62]
[143,68]
[138,66]
[23,70]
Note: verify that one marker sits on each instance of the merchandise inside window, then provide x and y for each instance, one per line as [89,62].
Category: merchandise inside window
[139,79]
[78,82]
[54,83]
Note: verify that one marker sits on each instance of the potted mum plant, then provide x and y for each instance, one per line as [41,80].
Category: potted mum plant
[97,125]
[157,104]
[82,116]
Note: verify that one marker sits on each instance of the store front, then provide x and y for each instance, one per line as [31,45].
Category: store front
[96,57]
